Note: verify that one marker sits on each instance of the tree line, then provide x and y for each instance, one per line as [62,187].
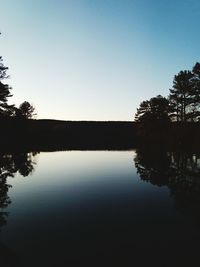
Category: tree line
[182,105]
[25,109]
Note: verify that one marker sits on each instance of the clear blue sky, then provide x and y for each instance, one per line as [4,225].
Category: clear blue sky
[96,59]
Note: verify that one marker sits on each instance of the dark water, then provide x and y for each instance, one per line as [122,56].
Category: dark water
[100,208]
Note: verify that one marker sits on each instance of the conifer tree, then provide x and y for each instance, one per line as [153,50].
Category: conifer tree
[5,109]
[181,96]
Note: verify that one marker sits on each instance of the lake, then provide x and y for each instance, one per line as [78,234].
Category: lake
[100,208]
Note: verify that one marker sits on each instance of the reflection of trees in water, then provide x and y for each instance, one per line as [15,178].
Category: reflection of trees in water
[180,171]
[151,166]
[10,164]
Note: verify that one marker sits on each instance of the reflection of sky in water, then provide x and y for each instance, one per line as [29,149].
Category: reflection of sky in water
[61,176]
[75,180]
[95,192]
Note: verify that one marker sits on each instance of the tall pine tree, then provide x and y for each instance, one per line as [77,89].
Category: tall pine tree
[181,96]
[196,92]
[5,109]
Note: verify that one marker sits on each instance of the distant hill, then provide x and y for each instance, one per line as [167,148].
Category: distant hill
[58,134]
[50,135]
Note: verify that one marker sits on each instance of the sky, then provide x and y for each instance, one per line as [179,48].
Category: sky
[96,59]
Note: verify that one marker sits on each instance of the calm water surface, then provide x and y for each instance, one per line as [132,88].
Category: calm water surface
[100,208]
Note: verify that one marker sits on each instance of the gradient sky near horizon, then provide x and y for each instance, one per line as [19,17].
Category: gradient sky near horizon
[96,59]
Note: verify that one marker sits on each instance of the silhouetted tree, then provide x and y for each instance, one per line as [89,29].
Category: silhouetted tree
[25,110]
[195,107]
[4,93]
[3,69]
[152,115]
[156,109]
[181,96]
[5,109]
[182,105]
